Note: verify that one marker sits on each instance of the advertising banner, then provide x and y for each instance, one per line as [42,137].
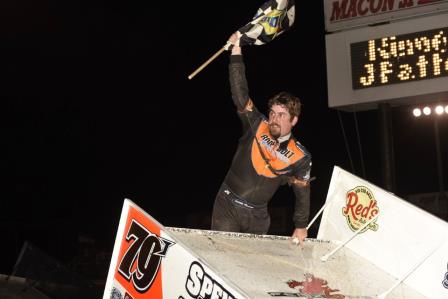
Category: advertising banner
[346,14]
[147,262]
[404,241]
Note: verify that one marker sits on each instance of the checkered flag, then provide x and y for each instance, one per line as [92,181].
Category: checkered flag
[272,18]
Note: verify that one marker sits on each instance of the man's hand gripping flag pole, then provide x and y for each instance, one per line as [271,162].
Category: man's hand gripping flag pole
[272,18]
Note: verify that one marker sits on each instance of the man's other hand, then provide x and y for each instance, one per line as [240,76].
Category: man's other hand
[299,235]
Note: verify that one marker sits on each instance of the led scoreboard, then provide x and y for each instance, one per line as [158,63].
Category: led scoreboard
[402,62]
[401,58]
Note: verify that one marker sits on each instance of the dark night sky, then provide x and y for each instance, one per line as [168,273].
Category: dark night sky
[99,108]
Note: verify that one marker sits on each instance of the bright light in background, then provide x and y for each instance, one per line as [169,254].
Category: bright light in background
[417,112]
[439,109]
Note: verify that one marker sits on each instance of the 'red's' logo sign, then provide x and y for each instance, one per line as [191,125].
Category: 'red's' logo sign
[360,207]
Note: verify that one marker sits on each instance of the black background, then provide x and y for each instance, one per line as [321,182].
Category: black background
[99,108]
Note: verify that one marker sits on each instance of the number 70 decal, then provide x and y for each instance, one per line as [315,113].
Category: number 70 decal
[141,261]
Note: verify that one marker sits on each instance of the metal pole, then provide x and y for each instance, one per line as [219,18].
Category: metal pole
[439,156]
[387,148]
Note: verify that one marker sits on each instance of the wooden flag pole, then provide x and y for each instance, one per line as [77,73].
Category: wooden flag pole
[209,60]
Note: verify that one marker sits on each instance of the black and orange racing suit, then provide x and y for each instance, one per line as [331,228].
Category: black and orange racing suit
[241,203]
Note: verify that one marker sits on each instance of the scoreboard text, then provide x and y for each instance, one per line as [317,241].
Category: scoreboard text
[401,58]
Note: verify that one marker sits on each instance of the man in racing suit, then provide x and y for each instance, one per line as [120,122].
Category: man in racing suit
[267,157]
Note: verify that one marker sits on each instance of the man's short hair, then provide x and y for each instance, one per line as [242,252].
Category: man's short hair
[291,102]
